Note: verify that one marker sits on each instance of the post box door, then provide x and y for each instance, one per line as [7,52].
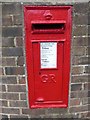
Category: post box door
[48,68]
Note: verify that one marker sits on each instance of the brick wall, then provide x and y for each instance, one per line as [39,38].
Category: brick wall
[13,70]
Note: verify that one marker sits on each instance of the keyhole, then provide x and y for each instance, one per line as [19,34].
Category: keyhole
[39,73]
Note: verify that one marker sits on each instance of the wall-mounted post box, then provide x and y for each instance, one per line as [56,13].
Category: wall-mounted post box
[48,31]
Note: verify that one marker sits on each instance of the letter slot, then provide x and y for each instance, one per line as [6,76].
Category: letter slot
[48,27]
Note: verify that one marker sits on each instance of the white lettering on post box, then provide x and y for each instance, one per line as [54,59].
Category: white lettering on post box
[48,54]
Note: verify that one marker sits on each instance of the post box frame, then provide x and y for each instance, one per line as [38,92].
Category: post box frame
[66,57]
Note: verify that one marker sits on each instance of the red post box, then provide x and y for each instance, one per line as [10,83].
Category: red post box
[48,32]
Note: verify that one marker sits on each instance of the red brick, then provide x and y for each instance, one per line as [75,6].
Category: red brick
[10,110]
[79,94]
[89,40]
[80,31]
[4,103]
[14,70]
[81,19]
[17,19]
[5,117]
[0,48]
[16,88]
[74,102]
[8,62]
[10,96]
[87,69]
[78,51]
[80,78]
[34,112]
[79,109]
[82,94]
[57,110]
[87,86]
[20,61]
[9,80]
[18,103]
[74,94]
[11,8]
[21,80]
[23,96]
[89,107]
[0,61]
[88,93]
[75,60]
[11,31]
[77,70]
[88,115]
[81,8]
[80,41]
[62,116]
[89,27]
[88,50]
[85,100]
[84,60]
[2,88]
[19,116]
[7,20]
[84,115]
[12,51]
[26,111]
[1,71]
[19,41]
[76,87]
[7,42]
